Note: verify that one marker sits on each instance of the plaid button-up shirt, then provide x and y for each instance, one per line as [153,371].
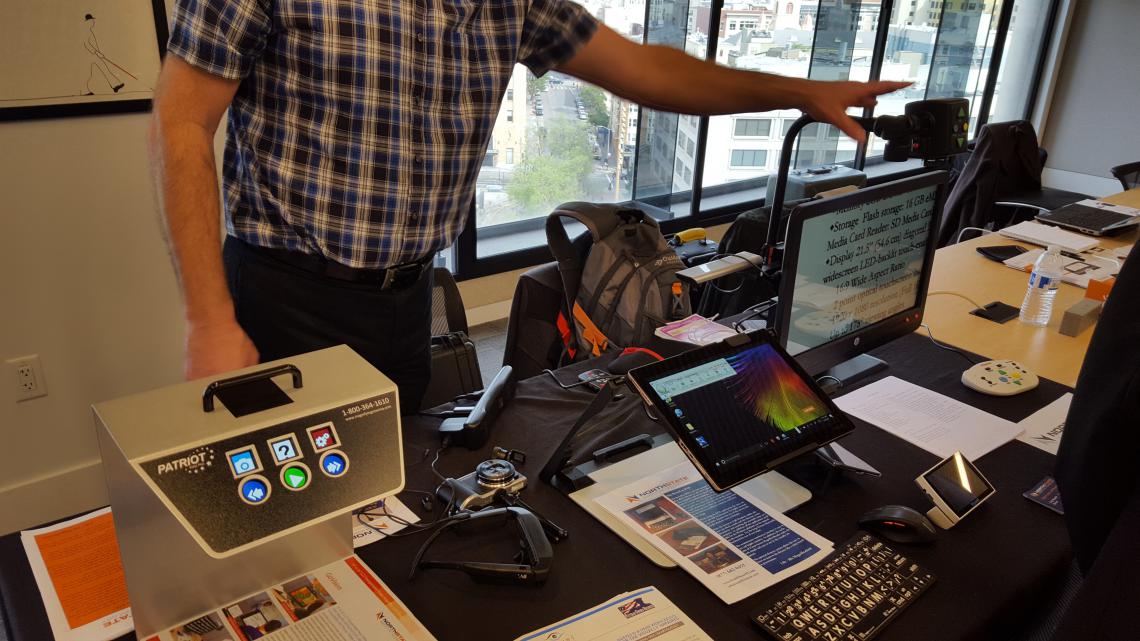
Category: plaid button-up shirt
[359,126]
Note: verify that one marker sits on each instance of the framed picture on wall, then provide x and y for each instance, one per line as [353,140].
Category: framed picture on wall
[79,57]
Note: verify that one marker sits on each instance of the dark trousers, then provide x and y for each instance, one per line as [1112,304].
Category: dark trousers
[286,311]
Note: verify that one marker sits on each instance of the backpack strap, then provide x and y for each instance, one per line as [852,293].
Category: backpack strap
[600,221]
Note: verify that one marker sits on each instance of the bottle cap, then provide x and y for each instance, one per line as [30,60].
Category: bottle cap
[1053,249]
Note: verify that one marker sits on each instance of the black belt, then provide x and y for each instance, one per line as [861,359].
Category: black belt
[395,278]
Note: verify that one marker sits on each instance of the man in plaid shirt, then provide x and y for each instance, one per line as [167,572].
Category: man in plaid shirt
[355,134]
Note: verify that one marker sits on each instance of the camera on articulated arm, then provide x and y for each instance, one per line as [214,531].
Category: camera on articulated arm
[928,129]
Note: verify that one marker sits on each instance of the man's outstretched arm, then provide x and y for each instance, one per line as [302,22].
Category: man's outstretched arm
[188,105]
[670,80]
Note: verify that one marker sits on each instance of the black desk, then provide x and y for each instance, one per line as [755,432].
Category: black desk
[991,568]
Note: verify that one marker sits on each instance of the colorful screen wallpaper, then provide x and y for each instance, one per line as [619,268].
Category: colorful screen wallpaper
[772,390]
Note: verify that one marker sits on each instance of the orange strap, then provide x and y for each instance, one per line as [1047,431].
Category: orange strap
[564,333]
[590,332]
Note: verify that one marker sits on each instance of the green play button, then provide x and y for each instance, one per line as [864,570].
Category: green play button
[295,477]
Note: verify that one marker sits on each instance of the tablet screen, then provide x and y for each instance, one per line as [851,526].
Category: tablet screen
[739,409]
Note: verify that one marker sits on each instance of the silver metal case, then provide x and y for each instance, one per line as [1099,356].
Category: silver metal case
[190,540]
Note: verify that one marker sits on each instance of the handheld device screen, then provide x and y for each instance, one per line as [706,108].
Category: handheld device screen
[958,484]
[740,409]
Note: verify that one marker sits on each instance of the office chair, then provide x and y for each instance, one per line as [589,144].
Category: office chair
[533,340]
[1000,183]
[447,313]
[1128,174]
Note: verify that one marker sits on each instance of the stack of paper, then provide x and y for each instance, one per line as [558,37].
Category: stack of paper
[1046,235]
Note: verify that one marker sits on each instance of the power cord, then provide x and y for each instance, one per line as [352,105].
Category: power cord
[959,295]
[947,347]
[985,232]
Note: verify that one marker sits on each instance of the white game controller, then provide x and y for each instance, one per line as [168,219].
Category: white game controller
[999,378]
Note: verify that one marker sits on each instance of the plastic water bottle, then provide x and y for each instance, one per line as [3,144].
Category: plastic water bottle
[1043,284]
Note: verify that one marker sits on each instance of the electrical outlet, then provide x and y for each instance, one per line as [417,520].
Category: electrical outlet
[29,377]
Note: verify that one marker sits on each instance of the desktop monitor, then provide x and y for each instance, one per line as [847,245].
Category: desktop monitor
[855,273]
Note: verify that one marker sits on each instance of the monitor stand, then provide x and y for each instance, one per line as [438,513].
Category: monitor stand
[849,373]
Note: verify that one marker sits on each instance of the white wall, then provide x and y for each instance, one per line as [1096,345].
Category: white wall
[86,285]
[1094,117]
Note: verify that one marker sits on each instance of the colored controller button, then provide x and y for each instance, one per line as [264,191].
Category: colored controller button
[334,464]
[254,490]
[296,477]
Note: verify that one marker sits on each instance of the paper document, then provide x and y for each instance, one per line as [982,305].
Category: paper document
[343,601]
[1043,428]
[936,423]
[639,615]
[79,574]
[1078,271]
[731,542]
[1046,235]
[370,524]
[695,329]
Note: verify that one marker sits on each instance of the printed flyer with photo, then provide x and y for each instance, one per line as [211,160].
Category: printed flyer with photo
[343,601]
[639,615]
[731,542]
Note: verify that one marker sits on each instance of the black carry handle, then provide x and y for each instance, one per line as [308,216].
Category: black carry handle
[213,388]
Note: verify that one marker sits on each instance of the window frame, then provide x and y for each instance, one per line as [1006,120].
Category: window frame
[465,251]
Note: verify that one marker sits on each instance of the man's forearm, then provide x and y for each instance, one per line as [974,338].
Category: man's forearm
[670,80]
[186,176]
[680,83]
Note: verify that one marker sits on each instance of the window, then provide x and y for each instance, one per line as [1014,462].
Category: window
[753,127]
[559,139]
[749,158]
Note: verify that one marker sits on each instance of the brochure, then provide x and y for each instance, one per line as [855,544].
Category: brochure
[79,574]
[639,615]
[732,542]
[376,521]
[343,601]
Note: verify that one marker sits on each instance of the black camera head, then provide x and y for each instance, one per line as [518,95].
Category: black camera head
[929,129]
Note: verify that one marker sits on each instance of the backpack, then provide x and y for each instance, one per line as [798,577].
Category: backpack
[627,285]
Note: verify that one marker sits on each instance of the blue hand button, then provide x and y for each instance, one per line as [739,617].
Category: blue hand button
[334,463]
[254,490]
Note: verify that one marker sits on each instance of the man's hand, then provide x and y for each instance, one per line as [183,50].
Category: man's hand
[218,347]
[828,102]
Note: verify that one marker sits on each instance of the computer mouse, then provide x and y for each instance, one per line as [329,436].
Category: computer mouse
[899,523]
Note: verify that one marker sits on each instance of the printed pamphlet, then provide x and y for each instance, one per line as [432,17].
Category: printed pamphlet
[376,521]
[639,615]
[343,601]
[732,542]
